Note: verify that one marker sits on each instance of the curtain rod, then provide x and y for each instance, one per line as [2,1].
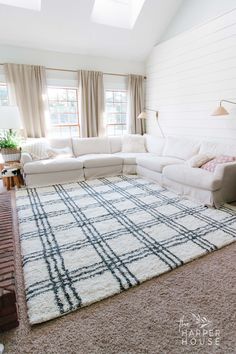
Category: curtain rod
[74,71]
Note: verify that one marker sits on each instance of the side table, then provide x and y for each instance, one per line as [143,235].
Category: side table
[11,175]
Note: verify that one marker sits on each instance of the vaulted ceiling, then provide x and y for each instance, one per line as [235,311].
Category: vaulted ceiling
[66,26]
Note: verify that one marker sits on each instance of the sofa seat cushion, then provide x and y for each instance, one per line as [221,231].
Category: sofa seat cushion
[100,160]
[157,163]
[129,158]
[52,165]
[194,177]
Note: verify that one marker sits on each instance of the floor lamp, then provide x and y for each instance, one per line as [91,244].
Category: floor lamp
[143,115]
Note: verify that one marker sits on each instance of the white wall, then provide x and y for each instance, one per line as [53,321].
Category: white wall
[68,61]
[194,12]
[188,75]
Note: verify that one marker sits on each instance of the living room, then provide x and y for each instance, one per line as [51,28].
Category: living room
[118,176]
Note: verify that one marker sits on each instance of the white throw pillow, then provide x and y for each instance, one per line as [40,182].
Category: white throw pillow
[37,148]
[198,160]
[57,153]
[133,143]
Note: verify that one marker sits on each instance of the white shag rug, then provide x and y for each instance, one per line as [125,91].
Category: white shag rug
[83,242]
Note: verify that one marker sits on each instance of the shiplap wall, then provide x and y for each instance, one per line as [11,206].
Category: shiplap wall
[188,75]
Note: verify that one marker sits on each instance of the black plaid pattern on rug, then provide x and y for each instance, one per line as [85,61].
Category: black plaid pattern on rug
[82,242]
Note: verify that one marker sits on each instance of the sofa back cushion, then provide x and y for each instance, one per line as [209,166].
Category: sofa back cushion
[133,143]
[37,148]
[181,148]
[217,149]
[58,153]
[154,144]
[60,143]
[115,144]
[83,146]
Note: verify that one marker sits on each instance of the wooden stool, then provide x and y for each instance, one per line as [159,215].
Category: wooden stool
[12,177]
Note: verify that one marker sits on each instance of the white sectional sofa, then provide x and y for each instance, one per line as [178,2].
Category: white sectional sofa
[92,158]
[162,160]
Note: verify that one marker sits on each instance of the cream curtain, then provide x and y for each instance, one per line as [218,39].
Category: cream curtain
[91,102]
[135,104]
[27,88]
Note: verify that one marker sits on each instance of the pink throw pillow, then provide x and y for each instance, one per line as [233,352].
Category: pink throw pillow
[211,165]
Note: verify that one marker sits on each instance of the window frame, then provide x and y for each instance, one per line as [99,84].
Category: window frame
[107,125]
[8,101]
[77,106]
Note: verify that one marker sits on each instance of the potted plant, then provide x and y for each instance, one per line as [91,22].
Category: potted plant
[9,146]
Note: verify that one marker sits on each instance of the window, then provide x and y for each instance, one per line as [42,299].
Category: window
[63,109]
[116,112]
[117,13]
[25,4]
[4,101]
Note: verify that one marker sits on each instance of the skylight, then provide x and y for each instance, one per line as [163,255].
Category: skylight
[117,13]
[26,4]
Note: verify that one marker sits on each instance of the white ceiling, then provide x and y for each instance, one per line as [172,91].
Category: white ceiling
[66,26]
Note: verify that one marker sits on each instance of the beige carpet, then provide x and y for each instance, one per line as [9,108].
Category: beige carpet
[143,319]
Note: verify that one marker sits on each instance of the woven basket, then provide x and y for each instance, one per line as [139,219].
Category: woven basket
[11,154]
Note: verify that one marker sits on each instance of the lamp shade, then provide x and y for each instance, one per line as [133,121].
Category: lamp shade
[10,118]
[142,115]
[220,111]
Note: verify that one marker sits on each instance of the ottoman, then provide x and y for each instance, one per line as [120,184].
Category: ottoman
[12,177]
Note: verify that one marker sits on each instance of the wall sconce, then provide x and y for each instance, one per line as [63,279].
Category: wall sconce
[221,111]
[143,115]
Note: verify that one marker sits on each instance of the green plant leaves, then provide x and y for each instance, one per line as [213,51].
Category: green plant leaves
[9,140]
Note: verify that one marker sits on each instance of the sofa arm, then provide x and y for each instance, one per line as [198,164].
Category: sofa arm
[227,174]
[25,157]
